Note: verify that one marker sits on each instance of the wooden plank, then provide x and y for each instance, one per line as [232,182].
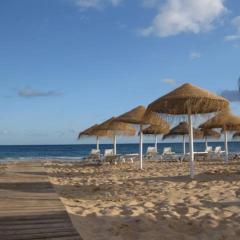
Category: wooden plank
[30,209]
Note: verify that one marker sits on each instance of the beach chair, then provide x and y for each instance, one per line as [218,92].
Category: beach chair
[217,153]
[203,155]
[168,155]
[167,151]
[218,150]
[95,155]
[110,157]
[209,149]
[151,152]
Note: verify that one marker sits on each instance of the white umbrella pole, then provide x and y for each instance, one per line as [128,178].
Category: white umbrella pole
[191,146]
[156,142]
[97,143]
[206,144]
[184,145]
[141,148]
[226,145]
[115,144]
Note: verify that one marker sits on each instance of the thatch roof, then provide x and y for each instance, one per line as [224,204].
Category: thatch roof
[224,120]
[134,116]
[188,99]
[93,131]
[183,129]
[236,135]
[88,131]
[118,128]
[209,133]
[156,130]
[139,115]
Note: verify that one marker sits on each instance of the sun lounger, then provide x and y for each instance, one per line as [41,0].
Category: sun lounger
[201,155]
[167,151]
[151,152]
[168,155]
[110,157]
[95,155]
[204,155]
[217,153]
[209,149]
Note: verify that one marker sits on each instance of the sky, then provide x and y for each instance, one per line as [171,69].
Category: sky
[68,64]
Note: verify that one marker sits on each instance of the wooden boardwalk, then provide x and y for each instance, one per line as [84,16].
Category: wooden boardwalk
[29,206]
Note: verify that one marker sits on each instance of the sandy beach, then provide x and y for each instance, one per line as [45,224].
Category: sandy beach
[159,202]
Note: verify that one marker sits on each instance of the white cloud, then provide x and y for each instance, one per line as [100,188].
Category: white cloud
[96,4]
[31,93]
[230,38]
[194,55]
[236,36]
[169,81]
[178,16]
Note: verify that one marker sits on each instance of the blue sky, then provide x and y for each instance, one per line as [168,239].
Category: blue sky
[67,64]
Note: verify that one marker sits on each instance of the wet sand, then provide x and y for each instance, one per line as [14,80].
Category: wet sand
[160,202]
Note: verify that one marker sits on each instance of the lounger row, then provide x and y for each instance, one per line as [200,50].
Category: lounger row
[152,154]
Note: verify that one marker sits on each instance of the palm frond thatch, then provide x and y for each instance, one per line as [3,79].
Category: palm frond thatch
[225,120]
[139,115]
[116,127]
[154,119]
[236,135]
[156,130]
[182,129]
[188,99]
[133,116]
[209,133]
[93,131]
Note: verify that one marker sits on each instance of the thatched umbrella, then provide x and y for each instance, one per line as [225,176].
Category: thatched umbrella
[139,117]
[156,130]
[236,135]
[226,121]
[189,100]
[94,131]
[182,129]
[117,128]
[209,133]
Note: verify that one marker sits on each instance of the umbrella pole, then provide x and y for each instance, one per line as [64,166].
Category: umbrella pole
[156,142]
[184,145]
[191,146]
[206,143]
[97,143]
[115,144]
[226,145]
[141,148]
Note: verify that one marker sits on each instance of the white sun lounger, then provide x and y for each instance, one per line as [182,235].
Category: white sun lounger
[167,151]
[151,152]
[168,155]
[110,157]
[216,154]
[94,155]
[209,149]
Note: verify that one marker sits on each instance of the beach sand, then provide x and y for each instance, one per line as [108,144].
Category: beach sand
[160,202]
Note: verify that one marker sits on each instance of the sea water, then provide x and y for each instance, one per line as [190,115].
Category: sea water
[79,151]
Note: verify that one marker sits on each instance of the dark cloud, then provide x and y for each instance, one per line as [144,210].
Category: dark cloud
[31,93]
[232,96]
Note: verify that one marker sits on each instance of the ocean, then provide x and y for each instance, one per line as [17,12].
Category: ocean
[78,152]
